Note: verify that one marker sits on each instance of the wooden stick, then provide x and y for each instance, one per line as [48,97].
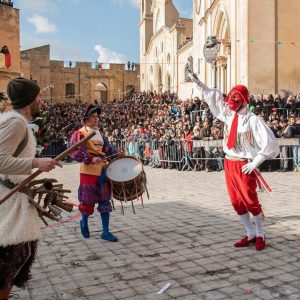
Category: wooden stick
[61,190]
[43,219]
[41,181]
[38,172]
[58,194]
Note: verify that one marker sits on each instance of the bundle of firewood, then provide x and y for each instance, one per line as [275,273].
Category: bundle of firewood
[49,198]
[46,194]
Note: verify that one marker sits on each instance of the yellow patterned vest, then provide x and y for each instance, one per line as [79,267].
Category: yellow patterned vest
[93,147]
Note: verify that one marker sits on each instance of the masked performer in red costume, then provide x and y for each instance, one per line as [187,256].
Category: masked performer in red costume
[93,189]
[248,142]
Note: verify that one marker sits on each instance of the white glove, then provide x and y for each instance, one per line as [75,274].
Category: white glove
[251,166]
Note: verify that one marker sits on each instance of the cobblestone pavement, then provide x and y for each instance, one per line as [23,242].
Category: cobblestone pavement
[183,236]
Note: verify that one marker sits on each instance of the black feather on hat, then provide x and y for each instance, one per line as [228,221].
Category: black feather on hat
[90,110]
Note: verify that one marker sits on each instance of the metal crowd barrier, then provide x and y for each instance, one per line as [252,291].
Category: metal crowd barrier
[53,149]
[281,111]
[181,155]
[196,154]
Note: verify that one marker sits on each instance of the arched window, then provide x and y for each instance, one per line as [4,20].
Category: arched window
[70,90]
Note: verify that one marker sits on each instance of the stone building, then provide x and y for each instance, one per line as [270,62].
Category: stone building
[259,45]
[9,37]
[165,44]
[77,80]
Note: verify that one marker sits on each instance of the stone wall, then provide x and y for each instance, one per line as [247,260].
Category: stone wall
[9,36]
[53,76]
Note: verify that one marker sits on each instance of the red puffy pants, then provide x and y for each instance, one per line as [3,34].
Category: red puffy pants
[241,188]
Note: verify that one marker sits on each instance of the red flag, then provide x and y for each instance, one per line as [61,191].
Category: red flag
[7,60]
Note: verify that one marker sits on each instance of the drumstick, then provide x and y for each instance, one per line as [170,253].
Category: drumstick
[105,157]
[38,172]
[113,155]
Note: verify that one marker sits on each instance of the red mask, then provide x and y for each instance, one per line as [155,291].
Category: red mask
[236,97]
[235,101]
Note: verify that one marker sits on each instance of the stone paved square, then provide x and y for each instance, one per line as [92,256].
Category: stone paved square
[182,236]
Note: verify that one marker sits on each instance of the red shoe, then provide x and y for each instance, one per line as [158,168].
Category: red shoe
[260,243]
[244,242]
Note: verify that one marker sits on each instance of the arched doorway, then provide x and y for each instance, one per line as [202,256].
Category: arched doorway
[130,90]
[223,63]
[101,92]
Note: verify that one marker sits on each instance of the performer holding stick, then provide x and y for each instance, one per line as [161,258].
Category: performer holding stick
[248,142]
[94,188]
[19,220]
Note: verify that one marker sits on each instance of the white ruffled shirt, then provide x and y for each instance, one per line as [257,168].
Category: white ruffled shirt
[254,137]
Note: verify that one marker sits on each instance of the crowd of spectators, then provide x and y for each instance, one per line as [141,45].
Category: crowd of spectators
[7,2]
[160,128]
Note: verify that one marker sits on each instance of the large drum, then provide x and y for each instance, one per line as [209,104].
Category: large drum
[127,177]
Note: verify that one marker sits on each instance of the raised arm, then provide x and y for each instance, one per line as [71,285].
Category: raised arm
[213,97]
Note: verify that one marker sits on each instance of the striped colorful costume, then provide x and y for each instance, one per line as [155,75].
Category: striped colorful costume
[93,188]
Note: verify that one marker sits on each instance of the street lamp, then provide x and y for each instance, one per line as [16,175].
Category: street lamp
[51,86]
[210,51]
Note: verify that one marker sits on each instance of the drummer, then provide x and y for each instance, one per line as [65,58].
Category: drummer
[93,188]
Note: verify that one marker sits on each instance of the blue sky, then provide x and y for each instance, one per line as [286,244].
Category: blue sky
[85,30]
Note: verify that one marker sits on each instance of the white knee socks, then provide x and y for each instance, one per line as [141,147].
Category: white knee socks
[248,225]
[259,225]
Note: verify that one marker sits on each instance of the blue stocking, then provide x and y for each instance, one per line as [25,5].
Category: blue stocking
[106,235]
[84,226]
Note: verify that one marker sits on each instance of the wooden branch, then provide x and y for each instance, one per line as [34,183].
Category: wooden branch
[38,172]
[42,181]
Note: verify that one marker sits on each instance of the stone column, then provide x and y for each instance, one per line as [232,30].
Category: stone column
[228,67]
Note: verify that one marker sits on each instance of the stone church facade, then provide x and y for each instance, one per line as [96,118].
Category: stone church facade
[259,45]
